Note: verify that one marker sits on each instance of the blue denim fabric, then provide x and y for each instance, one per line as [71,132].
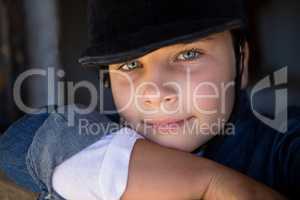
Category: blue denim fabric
[14,144]
[29,159]
[55,141]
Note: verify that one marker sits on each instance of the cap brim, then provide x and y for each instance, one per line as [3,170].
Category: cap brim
[151,38]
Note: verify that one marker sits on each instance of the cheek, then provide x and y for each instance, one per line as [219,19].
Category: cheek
[212,90]
[123,94]
[204,97]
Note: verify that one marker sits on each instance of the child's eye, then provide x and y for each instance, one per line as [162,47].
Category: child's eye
[130,66]
[189,55]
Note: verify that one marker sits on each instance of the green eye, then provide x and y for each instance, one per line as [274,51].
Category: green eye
[130,66]
[189,55]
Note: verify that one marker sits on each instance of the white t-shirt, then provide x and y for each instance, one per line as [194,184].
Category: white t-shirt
[98,172]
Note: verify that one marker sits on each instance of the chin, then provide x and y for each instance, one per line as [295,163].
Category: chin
[181,143]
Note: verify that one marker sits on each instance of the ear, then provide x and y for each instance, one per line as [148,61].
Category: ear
[244,67]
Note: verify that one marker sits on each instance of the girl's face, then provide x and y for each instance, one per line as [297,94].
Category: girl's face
[181,95]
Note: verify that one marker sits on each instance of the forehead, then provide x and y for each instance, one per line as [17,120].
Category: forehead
[212,39]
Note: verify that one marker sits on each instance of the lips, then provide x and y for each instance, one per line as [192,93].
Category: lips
[167,124]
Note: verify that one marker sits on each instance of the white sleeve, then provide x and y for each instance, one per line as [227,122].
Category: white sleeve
[98,172]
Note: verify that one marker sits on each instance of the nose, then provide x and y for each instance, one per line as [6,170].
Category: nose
[157,86]
[155,96]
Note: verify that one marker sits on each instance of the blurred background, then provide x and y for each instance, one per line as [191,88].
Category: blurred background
[52,33]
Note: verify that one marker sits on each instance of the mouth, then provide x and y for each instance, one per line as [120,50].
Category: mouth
[167,124]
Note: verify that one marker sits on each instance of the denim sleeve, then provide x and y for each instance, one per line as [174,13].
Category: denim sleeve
[14,144]
[62,135]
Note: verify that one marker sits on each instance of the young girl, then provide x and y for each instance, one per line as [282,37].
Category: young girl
[177,74]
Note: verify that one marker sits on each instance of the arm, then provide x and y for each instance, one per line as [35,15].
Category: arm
[139,169]
[156,172]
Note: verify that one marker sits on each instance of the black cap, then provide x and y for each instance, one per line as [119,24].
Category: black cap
[124,30]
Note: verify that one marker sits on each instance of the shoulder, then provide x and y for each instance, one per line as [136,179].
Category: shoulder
[263,152]
[278,153]
[67,115]
[66,131]
[69,128]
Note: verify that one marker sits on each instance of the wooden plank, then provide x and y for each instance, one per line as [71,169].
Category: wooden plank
[10,191]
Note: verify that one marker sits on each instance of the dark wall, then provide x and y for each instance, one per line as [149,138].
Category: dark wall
[275,24]
[74,39]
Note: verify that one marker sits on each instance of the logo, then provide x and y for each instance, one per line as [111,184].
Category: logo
[279,122]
